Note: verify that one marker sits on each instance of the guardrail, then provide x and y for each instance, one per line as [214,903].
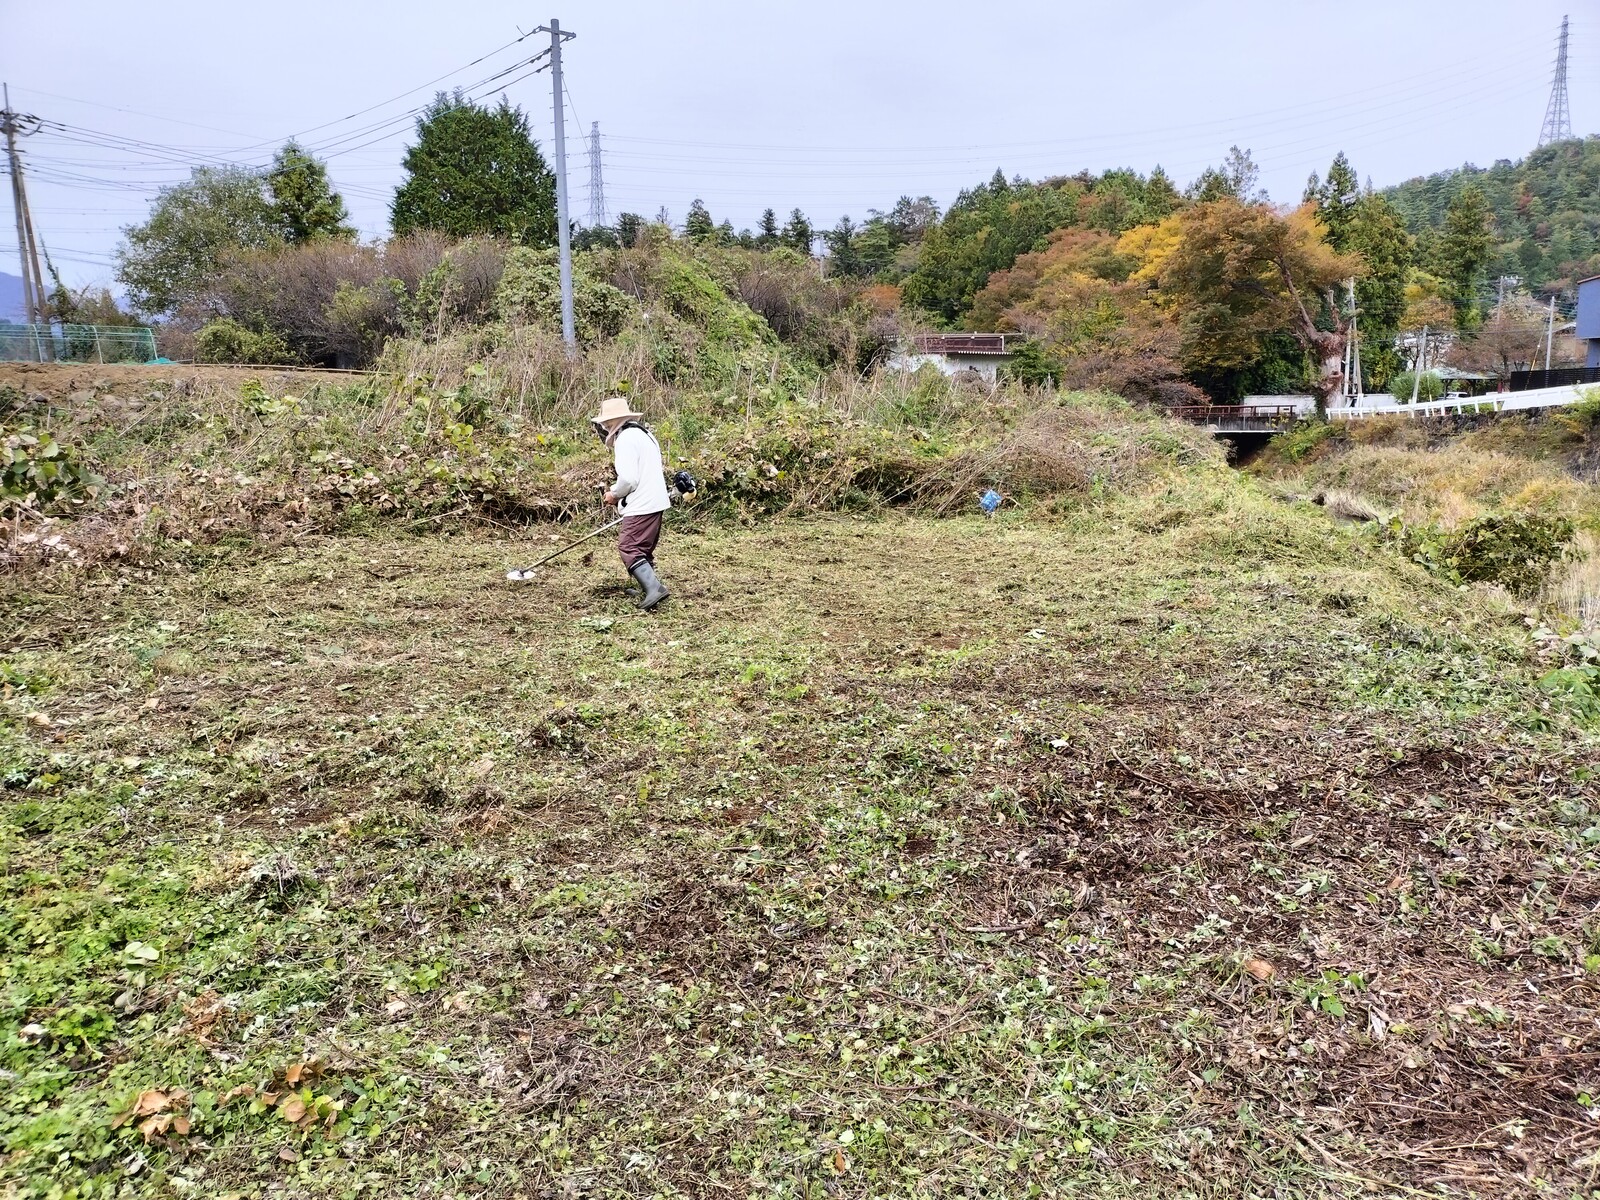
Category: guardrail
[1493,402]
[960,343]
[1216,414]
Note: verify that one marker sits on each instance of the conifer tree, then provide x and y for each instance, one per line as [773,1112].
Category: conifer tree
[1462,251]
[1161,198]
[476,170]
[768,235]
[1335,198]
[305,205]
[798,234]
[1378,234]
[698,225]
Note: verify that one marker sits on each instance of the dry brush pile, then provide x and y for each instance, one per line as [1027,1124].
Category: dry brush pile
[145,462]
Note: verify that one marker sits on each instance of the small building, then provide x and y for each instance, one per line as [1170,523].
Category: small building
[982,354]
[1588,324]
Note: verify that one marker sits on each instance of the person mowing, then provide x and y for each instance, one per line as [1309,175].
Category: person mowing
[640,492]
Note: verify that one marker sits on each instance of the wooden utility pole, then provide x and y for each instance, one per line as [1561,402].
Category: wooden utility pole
[34,296]
[8,122]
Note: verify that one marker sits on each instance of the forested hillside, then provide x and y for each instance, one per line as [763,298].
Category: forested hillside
[1545,212]
[1119,280]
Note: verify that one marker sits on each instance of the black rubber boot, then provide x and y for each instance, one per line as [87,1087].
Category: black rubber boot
[654,593]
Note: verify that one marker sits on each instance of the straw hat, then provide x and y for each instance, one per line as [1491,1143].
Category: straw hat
[612,409]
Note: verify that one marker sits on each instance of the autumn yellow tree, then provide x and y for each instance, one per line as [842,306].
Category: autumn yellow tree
[1092,327]
[1235,274]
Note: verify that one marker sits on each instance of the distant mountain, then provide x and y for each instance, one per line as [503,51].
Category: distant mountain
[1546,211]
[11,305]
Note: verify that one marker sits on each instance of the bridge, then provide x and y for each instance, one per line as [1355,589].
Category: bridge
[1228,419]
[1264,420]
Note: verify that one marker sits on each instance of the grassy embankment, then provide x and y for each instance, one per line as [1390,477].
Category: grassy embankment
[1158,838]
[1448,473]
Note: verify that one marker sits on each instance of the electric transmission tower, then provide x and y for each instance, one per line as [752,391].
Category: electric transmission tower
[597,183]
[1558,116]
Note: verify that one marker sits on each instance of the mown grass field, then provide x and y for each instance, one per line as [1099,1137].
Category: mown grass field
[1181,845]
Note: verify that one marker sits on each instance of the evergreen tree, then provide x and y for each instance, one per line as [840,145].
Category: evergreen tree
[1237,178]
[726,235]
[840,241]
[1530,259]
[698,225]
[629,227]
[798,234]
[1378,234]
[306,207]
[911,219]
[1336,199]
[1161,198]
[1462,251]
[768,236]
[476,170]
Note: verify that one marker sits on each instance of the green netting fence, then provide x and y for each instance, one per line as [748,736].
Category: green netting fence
[77,343]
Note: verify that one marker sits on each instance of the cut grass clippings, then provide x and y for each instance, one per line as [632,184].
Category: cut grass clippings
[1188,845]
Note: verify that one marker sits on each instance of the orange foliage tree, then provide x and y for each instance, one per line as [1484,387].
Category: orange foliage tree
[1240,273]
[1093,327]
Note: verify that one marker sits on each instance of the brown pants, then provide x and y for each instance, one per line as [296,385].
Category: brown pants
[637,540]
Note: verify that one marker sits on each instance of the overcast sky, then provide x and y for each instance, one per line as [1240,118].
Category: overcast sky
[833,107]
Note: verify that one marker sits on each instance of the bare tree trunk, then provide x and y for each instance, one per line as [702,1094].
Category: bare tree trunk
[1325,345]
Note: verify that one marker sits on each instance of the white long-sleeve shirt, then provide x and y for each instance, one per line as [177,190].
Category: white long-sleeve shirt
[641,486]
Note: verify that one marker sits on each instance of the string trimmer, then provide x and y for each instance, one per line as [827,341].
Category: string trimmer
[683,488]
[516,576]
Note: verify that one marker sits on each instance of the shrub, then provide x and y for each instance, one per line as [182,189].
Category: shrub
[1300,440]
[1583,416]
[224,340]
[1431,387]
[337,302]
[529,292]
[1515,550]
[37,472]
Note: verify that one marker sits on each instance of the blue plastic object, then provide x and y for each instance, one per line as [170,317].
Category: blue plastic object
[989,501]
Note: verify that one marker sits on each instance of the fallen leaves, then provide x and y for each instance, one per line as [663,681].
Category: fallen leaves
[201,1016]
[291,1093]
[158,1113]
[1260,969]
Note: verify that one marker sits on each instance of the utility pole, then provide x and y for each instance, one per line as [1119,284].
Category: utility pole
[1422,365]
[569,332]
[33,293]
[1557,114]
[1550,335]
[597,182]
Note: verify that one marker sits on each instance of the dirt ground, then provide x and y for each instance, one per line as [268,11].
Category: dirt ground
[1130,854]
[58,382]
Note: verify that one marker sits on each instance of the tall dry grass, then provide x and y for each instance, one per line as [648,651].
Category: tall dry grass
[1575,591]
